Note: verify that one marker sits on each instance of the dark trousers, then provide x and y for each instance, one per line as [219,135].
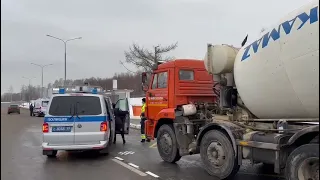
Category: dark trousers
[119,128]
[31,112]
[142,129]
[115,137]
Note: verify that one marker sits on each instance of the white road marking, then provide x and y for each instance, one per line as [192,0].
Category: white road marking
[130,168]
[126,153]
[151,174]
[133,165]
[118,158]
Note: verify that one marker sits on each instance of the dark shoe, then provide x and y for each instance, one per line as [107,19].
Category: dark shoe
[143,140]
[114,142]
[123,141]
[148,140]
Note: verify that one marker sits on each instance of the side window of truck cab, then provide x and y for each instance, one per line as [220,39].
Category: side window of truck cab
[186,75]
[160,80]
[155,82]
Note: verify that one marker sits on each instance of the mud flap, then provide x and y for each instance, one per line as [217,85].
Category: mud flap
[48,152]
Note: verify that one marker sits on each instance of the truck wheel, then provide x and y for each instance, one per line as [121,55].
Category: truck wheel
[167,144]
[217,154]
[303,163]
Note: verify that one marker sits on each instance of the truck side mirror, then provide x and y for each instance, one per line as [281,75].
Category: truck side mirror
[144,77]
[145,87]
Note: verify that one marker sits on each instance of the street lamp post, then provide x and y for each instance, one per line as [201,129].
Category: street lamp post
[41,66]
[65,54]
[29,84]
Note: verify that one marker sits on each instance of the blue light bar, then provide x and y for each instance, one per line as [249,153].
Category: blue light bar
[61,90]
[94,90]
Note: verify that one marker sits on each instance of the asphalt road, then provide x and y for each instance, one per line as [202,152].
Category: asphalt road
[22,159]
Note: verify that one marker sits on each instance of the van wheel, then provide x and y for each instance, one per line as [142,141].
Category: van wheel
[106,150]
[167,144]
[217,155]
[51,154]
[303,163]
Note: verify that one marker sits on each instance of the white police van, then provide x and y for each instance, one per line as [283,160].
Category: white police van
[40,107]
[81,119]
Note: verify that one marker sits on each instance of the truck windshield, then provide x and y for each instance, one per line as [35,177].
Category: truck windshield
[65,105]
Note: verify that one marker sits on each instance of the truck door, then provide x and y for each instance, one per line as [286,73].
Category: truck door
[157,95]
[122,111]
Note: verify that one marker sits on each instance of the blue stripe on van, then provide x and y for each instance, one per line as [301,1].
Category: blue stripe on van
[75,119]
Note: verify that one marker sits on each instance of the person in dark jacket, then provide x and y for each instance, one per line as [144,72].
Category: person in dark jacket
[119,123]
[31,109]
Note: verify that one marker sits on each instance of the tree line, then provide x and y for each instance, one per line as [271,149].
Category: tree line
[143,59]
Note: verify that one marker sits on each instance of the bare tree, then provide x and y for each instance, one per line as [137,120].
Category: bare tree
[145,59]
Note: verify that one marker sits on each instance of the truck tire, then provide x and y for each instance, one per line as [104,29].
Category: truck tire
[167,144]
[218,156]
[303,163]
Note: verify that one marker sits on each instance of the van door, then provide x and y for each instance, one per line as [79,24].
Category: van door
[88,118]
[122,111]
[61,122]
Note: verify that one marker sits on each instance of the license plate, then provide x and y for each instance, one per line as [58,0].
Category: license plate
[61,129]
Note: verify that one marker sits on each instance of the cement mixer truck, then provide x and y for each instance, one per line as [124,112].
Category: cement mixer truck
[259,102]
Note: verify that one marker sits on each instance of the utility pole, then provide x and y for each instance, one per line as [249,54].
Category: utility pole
[156,55]
[41,66]
[65,54]
[29,86]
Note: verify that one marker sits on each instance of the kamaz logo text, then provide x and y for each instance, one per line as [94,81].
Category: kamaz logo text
[275,33]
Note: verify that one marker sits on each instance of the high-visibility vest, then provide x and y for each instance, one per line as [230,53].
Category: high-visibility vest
[143,108]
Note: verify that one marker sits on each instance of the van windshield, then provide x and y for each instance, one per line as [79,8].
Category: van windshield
[65,105]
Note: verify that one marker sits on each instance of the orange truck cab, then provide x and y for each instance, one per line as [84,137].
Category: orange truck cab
[173,84]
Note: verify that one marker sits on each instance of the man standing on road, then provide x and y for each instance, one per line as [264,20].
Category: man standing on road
[31,109]
[119,127]
[143,119]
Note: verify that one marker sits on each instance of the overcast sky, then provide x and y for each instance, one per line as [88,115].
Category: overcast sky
[108,27]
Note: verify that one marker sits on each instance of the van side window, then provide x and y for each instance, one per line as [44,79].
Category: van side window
[186,75]
[155,81]
[162,80]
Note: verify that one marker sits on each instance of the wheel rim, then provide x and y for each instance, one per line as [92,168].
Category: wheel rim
[216,154]
[166,143]
[309,169]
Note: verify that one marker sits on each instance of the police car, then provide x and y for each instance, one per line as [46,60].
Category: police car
[80,119]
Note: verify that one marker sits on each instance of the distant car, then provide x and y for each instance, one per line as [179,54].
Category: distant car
[14,108]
